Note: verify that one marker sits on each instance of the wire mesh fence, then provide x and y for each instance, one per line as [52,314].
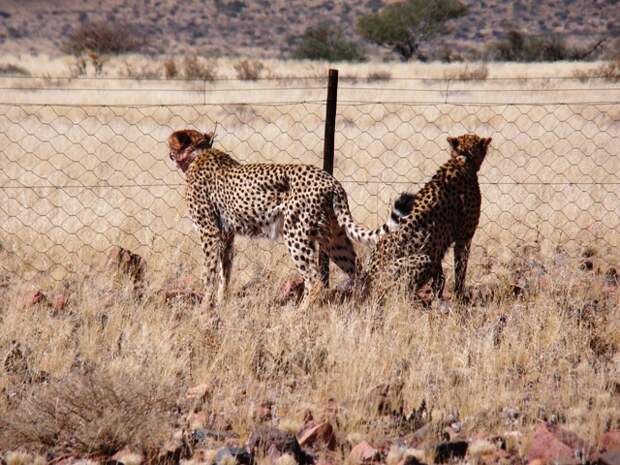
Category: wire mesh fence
[78,178]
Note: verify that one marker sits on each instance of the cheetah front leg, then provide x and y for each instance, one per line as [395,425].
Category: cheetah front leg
[225,266]
[211,248]
[461,257]
[214,249]
[439,280]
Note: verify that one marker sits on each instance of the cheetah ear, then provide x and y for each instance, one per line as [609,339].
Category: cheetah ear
[209,138]
[179,140]
[454,142]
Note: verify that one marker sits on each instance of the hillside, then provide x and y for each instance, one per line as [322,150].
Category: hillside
[270,29]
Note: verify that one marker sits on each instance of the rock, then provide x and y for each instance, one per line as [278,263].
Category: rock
[238,454]
[400,455]
[127,457]
[202,435]
[60,302]
[447,451]
[195,398]
[550,443]
[610,441]
[263,413]
[197,391]
[611,457]
[197,420]
[363,453]
[272,441]
[291,290]
[35,298]
[321,434]
[480,447]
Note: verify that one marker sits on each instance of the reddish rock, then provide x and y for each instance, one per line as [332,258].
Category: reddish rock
[363,453]
[611,457]
[197,420]
[60,302]
[35,298]
[611,441]
[552,444]
[291,290]
[127,455]
[200,390]
[263,412]
[321,434]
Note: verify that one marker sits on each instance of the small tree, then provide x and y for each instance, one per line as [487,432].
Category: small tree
[326,42]
[104,39]
[403,26]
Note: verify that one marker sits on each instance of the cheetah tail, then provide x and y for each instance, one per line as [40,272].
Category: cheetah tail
[403,206]
[355,231]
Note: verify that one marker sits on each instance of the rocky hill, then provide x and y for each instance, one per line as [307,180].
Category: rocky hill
[266,28]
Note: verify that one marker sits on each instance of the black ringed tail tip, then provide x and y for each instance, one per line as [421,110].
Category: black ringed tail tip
[403,205]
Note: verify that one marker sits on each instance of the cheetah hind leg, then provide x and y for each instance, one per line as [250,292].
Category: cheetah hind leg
[340,250]
[303,251]
[415,270]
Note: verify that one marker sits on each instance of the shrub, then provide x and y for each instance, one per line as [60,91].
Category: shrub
[474,73]
[518,46]
[95,413]
[608,71]
[374,76]
[144,71]
[404,25]
[326,42]
[249,70]
[170,69]
[103,38]
[194,69]
[14,69]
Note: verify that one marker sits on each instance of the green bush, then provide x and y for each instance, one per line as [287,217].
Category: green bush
[326,42]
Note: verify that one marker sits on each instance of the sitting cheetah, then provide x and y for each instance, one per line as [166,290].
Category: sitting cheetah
[444,212]
[303,203]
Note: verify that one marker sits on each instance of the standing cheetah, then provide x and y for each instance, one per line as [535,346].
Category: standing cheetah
[302,203]
[444,212]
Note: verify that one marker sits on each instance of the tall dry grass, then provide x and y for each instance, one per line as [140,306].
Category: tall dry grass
[502,363]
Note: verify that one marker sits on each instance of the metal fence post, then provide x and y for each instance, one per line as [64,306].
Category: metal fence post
[328,151]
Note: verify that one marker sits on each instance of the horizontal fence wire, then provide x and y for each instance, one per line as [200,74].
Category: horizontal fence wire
[78,178]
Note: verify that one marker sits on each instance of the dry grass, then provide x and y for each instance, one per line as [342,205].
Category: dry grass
[609,71]
[469,363]
[249,70]
[468,73]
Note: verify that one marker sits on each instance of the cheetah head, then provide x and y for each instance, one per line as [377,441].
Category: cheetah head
[184,144]
[470,147]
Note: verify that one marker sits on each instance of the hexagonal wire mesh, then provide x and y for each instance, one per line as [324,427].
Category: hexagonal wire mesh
[76,179]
